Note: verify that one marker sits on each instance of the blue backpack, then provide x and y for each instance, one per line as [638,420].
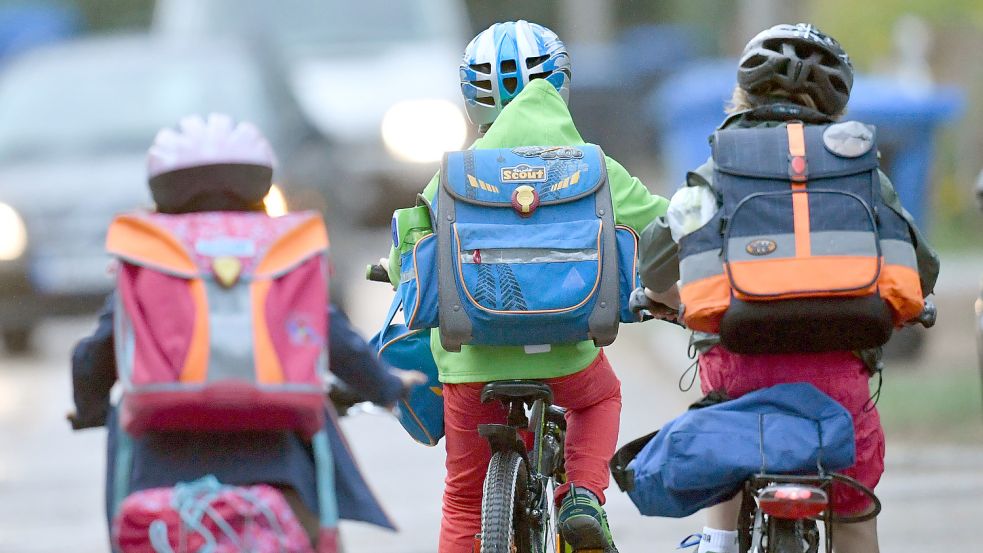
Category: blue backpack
[525,251]
[703,456]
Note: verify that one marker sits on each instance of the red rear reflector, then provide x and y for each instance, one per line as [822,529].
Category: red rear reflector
[792,501]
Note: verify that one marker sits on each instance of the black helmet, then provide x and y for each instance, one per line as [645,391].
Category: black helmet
[798,59]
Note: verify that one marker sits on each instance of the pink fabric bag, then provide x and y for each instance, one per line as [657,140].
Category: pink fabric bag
[205,516]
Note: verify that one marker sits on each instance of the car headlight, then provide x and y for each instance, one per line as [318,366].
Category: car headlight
[13,234]
[422,130]
[274,202]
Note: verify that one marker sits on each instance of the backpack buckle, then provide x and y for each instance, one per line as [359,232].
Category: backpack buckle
[227,270]
[525,200]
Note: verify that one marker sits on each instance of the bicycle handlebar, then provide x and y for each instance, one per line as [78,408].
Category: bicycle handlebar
[376,273]
[642,305]
[927,317]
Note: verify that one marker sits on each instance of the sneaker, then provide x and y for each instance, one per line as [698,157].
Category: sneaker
[583,523]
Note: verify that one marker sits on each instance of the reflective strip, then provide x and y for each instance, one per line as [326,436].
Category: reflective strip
[800,198]
[700,265]
[195,367]
[230,328]
[800,220]
[796,139]
[527,255]
[844,242]
[833,242]
[899,252]
[475,183]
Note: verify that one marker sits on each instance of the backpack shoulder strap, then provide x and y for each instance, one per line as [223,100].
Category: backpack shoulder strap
[603,322]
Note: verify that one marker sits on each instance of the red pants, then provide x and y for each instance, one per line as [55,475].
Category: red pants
[840,375]
[593,401]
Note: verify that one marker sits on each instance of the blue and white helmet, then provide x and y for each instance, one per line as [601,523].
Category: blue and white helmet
[502,59]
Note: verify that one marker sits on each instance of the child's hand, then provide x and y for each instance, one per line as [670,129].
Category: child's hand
[410,379]
[669,298]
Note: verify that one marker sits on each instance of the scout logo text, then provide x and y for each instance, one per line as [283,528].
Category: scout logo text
[523,173]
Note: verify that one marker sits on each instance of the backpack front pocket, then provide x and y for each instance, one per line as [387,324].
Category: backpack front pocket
[819,243]
[529,269]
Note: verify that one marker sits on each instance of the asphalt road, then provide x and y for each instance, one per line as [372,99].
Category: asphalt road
[51,479]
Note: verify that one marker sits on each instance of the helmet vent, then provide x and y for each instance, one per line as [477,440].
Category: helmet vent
[542,75]
[481,67]
[483,85]
[508,66]
[510,83]
[533,62]
[775,45]
[485,101]
[754,61]
[838,84]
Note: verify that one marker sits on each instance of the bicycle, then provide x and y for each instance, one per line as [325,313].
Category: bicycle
[779,512]
[517,509]
[518,514]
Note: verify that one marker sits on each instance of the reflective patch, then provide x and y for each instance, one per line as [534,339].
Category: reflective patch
[226,246]
[849,139]
[700,265]
[573,281]
[899,252]
[526,255]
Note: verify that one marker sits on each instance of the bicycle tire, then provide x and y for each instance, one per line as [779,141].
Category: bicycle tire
[504,526]
[784,536]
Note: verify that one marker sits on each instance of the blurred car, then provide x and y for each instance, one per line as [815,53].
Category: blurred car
[378,78]
[75,122]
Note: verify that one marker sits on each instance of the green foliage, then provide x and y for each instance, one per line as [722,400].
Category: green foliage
[932,403]
[864,28]
[101,15]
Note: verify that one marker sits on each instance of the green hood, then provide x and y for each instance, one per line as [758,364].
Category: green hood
[538,116]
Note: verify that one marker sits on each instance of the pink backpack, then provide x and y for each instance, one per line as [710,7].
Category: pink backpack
[205,516]
[221,321]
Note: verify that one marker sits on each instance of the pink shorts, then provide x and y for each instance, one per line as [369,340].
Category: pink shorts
[840,375]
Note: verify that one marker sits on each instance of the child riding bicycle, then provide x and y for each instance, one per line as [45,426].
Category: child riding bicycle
[515,78]
[795,78]
[208,178]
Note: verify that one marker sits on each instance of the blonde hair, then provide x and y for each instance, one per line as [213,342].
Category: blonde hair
[740,101]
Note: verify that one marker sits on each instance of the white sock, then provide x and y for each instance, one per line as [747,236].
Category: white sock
[718,541]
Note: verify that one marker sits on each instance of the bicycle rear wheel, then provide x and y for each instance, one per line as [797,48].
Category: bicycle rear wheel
[504,522]
[785,536]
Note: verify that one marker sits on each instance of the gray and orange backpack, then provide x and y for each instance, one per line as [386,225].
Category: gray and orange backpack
[803,255]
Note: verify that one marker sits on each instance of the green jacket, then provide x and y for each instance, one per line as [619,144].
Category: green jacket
[537,117]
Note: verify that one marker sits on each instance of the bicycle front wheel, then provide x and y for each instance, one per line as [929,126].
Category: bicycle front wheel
[504,522]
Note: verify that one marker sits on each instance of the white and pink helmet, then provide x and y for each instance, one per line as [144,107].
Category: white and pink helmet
[207,164]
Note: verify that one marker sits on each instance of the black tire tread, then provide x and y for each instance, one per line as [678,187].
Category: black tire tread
[498,516]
